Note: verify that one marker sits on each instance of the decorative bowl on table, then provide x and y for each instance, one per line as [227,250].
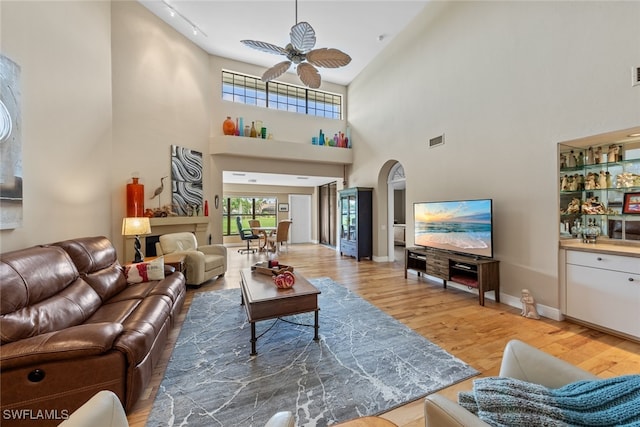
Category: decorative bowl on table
[284,280]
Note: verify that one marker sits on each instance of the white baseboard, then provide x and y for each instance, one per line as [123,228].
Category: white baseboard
[543,310]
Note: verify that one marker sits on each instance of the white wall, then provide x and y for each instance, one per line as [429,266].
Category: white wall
[504,81]
[64,51]
[161,97]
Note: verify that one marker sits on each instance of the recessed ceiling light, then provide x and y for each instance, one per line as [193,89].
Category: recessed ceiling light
[303,177]
[633,135]
[253,180]
[238,174]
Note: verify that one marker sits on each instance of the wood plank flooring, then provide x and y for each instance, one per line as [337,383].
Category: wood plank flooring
[451,318]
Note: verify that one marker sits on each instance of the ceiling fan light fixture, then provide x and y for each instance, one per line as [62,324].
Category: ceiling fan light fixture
[301,53]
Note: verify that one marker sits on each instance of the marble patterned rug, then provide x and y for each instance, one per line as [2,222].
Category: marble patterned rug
[365,363]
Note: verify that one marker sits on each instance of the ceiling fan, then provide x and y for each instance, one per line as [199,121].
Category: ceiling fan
[300,52]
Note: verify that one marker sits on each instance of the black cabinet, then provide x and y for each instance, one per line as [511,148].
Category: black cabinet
[356,222]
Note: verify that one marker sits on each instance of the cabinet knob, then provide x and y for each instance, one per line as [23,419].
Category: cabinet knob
[631,279]
[599,258]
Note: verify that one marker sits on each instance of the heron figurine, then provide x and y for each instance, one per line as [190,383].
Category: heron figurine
[159,190]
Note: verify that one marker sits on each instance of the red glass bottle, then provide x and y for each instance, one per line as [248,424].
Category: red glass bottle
[135,199]
[206,208]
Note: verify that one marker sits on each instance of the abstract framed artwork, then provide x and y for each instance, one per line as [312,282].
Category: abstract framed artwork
[11,179]
[186,181]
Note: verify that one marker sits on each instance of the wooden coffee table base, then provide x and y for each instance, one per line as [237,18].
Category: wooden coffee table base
[263,300]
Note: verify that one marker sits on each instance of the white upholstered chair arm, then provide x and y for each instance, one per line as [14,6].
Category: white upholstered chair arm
[281,419]
[102,410]
[527,363]
[213,250]
[442,412]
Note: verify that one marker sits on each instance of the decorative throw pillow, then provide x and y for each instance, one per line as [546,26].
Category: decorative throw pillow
[145,271]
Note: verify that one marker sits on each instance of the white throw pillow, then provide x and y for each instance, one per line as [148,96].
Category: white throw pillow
[145,271]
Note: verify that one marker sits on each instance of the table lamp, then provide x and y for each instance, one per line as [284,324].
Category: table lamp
[136,227]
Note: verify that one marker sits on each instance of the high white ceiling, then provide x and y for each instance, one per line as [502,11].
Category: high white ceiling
[360,28]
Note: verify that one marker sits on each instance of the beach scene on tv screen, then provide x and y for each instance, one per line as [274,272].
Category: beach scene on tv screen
[463,226]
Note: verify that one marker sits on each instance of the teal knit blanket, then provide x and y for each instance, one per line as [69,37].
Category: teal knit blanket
[509,402]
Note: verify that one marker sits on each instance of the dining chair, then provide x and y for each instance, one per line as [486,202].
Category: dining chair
[254,224]
[246,235]
[281,236]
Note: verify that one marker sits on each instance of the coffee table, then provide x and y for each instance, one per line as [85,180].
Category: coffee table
[263,300]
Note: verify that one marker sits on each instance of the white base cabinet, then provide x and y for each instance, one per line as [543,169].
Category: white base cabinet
[604,290]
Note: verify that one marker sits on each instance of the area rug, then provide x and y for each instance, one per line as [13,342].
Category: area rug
[365,363]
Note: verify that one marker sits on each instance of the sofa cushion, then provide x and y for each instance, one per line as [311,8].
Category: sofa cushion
[142,327]
[97,261]
[35,300]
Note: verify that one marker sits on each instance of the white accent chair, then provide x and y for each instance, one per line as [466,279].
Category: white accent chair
[105,410]
[520,361]
[102,410]
[202,262]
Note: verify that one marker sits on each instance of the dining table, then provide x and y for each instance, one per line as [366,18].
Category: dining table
[265,232]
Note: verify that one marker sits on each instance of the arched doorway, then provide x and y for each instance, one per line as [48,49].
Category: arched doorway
[396,190]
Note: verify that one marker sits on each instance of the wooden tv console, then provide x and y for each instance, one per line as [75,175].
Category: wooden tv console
[480,273]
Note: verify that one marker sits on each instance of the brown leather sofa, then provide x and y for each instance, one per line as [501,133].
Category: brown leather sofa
[71,325]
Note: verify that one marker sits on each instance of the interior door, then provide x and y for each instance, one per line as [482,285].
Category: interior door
[300,214]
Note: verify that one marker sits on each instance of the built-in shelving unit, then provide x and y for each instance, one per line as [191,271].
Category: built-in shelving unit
[240,146]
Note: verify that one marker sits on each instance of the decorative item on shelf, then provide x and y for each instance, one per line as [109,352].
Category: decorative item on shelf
[163,212]
[206,208]
[263,132]
[347,137]
[247,131]
[136,227]
[252,132]
[259,128]
[237,132]
[135,197]
[321,138]
[241,128]
[631,204]
[158,191]
[590,232]
[228,126]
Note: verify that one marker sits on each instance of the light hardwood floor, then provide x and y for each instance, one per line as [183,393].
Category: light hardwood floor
[451,318]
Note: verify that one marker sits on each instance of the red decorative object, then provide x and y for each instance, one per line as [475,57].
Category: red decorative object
[206,208]
[229,127]
[135,199]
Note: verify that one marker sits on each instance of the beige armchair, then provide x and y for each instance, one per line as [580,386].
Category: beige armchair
[202,262]
[105,410]
[519,361]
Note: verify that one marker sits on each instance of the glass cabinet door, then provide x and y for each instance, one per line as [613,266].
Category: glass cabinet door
[352,218]
[344,218]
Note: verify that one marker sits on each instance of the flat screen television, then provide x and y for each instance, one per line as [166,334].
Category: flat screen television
[460,226]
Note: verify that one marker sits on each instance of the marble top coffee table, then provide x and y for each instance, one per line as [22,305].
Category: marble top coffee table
[263,300]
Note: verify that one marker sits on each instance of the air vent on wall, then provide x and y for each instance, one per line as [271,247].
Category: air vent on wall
[636,76]
[437,141]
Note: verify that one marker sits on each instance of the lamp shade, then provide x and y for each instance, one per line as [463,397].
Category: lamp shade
[136,226]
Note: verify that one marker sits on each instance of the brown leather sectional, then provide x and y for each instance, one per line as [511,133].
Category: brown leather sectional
[71,325]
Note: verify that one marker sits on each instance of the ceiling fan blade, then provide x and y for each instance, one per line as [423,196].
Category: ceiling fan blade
[264,47]
[309,75]
[276,71]
[303,37]
[328,58]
